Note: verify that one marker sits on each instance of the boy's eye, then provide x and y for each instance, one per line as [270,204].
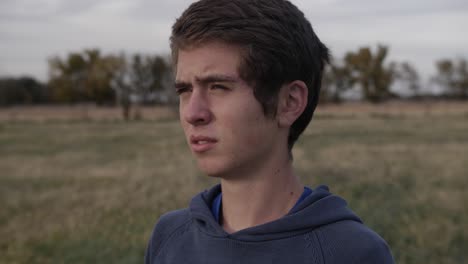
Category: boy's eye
[182,90]
[218,86]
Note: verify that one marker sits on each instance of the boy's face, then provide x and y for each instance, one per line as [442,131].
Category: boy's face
[224,124]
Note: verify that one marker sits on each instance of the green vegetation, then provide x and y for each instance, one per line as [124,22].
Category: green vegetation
[90,192]
[133,81]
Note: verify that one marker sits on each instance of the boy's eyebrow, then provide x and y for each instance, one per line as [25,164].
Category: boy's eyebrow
[216,78]
[182,84]
[207,79]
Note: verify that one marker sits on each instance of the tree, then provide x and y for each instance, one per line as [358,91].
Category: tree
[453,75]
[409,76]
[149,77]
[368,70]
[120,83]
[90,76]
[22,90]
[66,78]
[336,80]
[82,77]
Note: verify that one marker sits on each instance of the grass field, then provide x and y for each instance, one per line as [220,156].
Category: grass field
[89,190]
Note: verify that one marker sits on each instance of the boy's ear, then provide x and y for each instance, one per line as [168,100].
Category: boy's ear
[292,101]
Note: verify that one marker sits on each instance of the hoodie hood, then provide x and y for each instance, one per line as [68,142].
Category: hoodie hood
[318,209]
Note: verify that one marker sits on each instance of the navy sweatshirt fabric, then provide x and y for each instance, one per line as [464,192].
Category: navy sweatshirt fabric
[321,229]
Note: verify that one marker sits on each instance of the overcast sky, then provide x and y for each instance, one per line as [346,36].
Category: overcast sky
[31,31]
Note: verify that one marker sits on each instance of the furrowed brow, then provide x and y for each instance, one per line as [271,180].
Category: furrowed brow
[216,78]
[182,84]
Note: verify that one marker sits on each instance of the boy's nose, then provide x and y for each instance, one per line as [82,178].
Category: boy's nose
[196,111]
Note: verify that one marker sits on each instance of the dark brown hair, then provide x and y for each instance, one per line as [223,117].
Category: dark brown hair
[279,46]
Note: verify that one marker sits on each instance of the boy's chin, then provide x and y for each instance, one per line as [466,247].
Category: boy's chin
[213,169]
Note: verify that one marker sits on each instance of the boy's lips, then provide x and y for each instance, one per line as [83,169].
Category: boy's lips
[201,144]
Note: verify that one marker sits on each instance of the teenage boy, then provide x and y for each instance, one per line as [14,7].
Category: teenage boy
[248,76]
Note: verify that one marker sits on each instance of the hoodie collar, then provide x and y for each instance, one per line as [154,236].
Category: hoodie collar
[317,209]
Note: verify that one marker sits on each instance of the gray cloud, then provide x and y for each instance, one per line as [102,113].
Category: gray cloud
[163,10]
[42,10]
[369,8]
[33,30]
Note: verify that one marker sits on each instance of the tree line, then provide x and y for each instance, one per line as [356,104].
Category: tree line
[368,72]
[110,79]
[141,79]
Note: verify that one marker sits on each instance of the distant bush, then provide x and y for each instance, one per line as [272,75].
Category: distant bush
[22,90]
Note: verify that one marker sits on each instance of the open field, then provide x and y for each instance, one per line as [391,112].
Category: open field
[88,188]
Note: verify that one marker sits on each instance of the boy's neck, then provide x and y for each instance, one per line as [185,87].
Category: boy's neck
[252,201]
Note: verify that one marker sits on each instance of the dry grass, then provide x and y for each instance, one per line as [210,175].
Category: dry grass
[89,190]
[396,108]
[81,113]
[93,113]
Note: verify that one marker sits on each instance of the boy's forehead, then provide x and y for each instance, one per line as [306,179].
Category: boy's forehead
[214,59]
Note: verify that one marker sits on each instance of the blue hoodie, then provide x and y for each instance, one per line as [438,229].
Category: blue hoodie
[320,229]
